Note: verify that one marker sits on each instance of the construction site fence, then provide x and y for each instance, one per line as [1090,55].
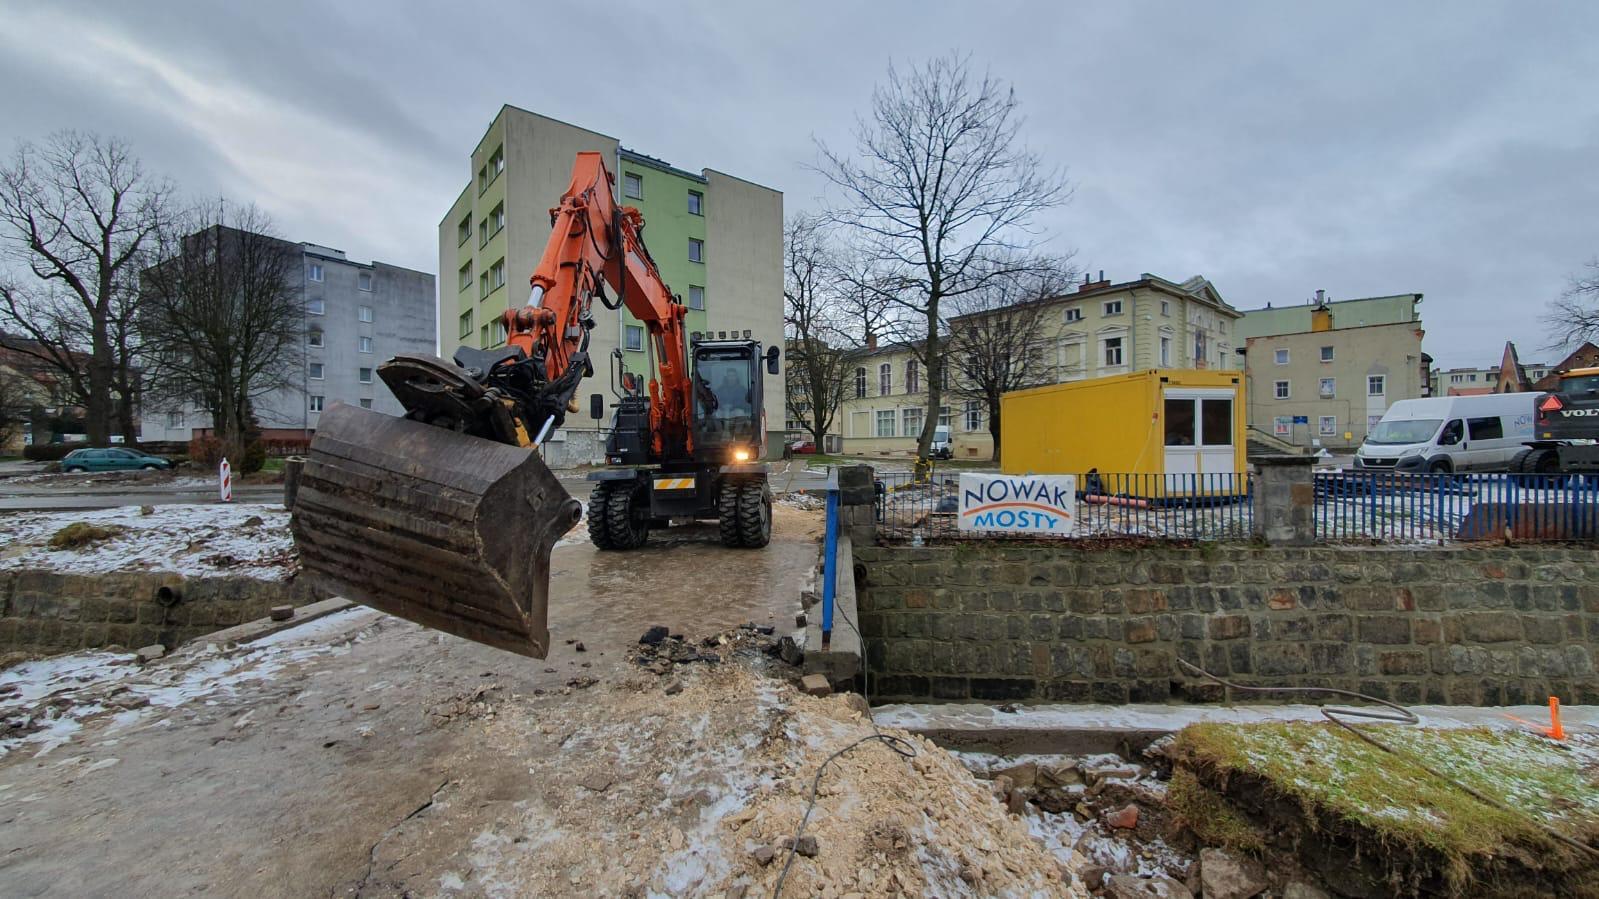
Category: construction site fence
[1165,506]
[1349,506]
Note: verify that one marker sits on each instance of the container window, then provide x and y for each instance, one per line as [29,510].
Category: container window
[1216,422]
[1179,422]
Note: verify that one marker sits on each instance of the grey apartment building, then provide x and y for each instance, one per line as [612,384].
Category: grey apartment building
[357,315]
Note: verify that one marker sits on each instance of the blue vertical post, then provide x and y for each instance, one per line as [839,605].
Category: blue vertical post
[829,565]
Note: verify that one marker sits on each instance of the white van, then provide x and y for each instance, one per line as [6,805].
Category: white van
[943,446]
[1450,433]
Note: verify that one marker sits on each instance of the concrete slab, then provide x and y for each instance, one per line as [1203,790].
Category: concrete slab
[1088,729]
[262,627]
[840,661]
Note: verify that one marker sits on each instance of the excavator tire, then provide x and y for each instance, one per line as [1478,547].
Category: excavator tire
[599,520]
[626,527]
[451,531]
[755,516]
[727,514]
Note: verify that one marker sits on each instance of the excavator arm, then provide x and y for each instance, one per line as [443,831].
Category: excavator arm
[447,516]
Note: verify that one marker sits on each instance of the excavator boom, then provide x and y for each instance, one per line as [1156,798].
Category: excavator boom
[447,517]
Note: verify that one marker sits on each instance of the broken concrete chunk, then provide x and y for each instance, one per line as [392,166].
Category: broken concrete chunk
[807,846]
[1016,802]
[1104,772]
[790,652]
[151,653]
[763,855]
[1024,775]
[674,687]
[1094,875]
[799,620]
[816,685]
[1124,818]
[1223,875]
[1126,886]
[654,636]
[282,613]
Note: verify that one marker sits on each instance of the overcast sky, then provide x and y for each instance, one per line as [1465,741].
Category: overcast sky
[1367,149]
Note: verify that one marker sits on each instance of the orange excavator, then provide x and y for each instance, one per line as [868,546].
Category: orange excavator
[447,516]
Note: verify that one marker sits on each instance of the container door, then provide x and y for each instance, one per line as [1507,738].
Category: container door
[1199,439]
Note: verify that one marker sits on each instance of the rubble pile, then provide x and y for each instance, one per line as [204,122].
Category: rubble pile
[660,652]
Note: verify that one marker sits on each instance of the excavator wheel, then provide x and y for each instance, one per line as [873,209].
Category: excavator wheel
[615,520]
[745,513]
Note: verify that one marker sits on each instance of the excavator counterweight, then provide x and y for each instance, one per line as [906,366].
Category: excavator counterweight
[444,529]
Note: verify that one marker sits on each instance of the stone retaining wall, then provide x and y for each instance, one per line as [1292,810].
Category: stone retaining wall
[1445,626]
[47,612]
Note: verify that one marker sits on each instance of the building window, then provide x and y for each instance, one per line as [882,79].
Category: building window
[363,344]
[696,250]
[1074,314]
[497,220]
[364,375]
[316,272]
[913,422]
[1113,351]
[313,338]
[499,331]
[497,276]
[483,285]
[1165,307]
[315,402]
[364,281]
[315,372]
[1199,349]
[1327,425]
[943,416]
[860,383]
[1282,357]
[174,419]
[1281,389]
[466,325]
[366,402]
[633,186]
[1326,354]
[497,162]
[913,376]
[463,231]
[1376,385]
[635,337]
[483,233]
[885,379]
[364,313]
[466,275]
[696,297]
[315,307]
[885,422]
[974,415]
[482,180]
[1165,352]
[696,203]
[1282,425]
[1329,388]
[1113,307]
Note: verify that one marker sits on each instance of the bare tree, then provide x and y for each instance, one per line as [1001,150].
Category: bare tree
[79,213]
[1574,318]
[222,318]
[997,340]
[818,343]
[938,195]
[15,404]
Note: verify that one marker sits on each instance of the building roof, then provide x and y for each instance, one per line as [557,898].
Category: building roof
[1269,319]
[660,165]
[1195,288]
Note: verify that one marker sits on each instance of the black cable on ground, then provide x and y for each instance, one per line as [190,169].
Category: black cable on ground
[1401,715]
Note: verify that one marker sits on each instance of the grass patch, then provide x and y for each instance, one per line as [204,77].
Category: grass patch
[1333,775]
[80,534]
[272,463]
[1210,816]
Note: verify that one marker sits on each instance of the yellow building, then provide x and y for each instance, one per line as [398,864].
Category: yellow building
[1175,428]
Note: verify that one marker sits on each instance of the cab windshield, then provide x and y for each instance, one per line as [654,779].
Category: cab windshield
[724,396]
[1411,430]
[1578,385]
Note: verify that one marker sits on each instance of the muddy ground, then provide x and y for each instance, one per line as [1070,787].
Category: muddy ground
[315,778]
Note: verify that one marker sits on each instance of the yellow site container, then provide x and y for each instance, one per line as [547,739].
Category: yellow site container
[1153,433]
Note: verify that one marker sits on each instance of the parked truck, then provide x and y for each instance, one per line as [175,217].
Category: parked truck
[1566,430]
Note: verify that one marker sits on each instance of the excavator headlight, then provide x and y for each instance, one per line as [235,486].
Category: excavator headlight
[741,455]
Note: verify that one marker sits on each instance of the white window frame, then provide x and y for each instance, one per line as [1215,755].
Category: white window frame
[497,276]
[1281,356]
[908,414]
[465,321]
[860,383]
[366,402]
[1282,390]
[974,416]
[315,339]
[497,162]
[885,379]
[316,306]
[696,202]
[1327,354]
[1327,426]
[913,376]
[696,250]
[884,417]
[466,276]
[463,230]
[1112,307]
[1165,352]
[1120,348]
[363,344]
[634,338]
[1282,425]
[1074,314]
[696,297]
[363,314]
[1380,382]
[314,273]
[364,375]
[632,186]
[316,402]
[498,217]
[1327,388]
[363,281]
[316,371]
[1165,307]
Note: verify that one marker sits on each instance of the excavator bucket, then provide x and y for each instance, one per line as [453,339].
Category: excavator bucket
[447,530]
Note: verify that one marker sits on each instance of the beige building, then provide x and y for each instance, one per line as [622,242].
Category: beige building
[1098,330]
[717,239]
[1328,385]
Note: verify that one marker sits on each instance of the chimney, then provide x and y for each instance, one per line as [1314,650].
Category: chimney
[871,341]
[1321,298]
[1093,285]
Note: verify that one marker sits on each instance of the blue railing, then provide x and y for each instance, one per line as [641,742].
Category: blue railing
[1160,506]
[1395,507]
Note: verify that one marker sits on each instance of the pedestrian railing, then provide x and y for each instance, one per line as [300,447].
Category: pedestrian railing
[1396,507]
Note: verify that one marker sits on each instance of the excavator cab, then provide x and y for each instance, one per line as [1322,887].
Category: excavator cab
[729,423]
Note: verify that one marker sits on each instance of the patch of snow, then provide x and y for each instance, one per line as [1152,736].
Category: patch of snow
[194,540]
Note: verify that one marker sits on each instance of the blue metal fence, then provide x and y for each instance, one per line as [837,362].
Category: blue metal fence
[1394,507]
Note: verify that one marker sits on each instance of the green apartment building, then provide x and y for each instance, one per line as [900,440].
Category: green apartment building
[717,239]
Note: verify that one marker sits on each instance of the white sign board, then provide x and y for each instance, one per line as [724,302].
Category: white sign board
[1035,504]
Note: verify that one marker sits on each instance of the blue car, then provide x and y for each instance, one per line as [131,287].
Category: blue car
[115,458]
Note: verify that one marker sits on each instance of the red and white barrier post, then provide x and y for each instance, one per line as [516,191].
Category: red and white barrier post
[225,476]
